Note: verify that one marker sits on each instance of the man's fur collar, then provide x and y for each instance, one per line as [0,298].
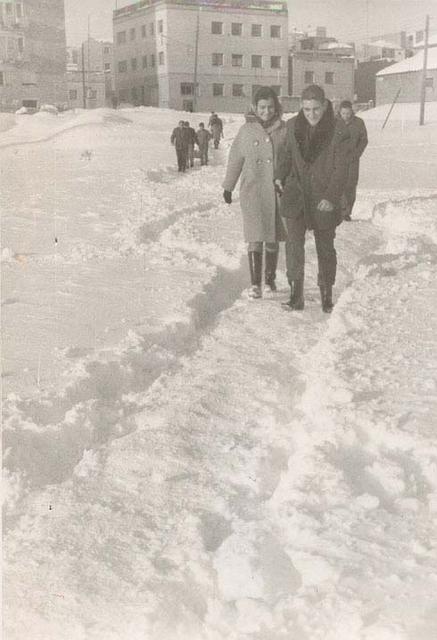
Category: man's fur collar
[311,147]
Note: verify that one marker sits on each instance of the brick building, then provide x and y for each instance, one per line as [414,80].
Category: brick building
[32,53]
[241,44]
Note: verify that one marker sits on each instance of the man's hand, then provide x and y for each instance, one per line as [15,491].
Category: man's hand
[227,197]
[278,187]
[325,205]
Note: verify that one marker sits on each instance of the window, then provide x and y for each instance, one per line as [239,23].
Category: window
[217,28]
[143,31]
[144,62]
[257,62]
[161,58]
[387,53]
[72,94]
[237,29]
[237,60]
[121,37]
[275,62]
[187,88]
[92,94]
[275,31]
[329,77]
[20,44]
[152,60]
[218,89]
[257,30]
[429,83]
[133,64]
[107,66]
[152,29]
[160,26]
[217,59]
[122,66]
[309,77]
[132,33]
[238,90]
[106,50]
[2,79]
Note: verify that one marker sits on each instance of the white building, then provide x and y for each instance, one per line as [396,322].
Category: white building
[406,77]
[231,46]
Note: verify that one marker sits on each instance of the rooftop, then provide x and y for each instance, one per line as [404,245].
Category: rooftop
[277,6]
[415,63]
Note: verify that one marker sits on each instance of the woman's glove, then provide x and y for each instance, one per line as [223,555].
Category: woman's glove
[227,196]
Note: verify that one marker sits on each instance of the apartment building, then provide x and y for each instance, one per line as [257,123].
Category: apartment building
[32,53]
[231,47]
[324,61]
[94,69]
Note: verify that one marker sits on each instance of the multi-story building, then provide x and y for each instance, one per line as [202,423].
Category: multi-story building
[228,48]
[32,53]
[323,61]
[90,66]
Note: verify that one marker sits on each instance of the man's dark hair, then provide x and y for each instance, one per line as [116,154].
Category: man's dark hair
[313,92]
[267,93]
[201,124]
[345,104]
[181,122]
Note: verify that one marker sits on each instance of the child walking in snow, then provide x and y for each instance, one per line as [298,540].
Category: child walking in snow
[252,160]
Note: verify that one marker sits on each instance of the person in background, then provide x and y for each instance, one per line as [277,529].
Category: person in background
[179,139]
[191,140]
[202,139]
[252,160]
[358,142]
[216,126]
[310,176]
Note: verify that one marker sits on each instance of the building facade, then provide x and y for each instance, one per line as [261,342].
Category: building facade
[90,74]
[32,53]
[406,78]
[231,47]
[323,61]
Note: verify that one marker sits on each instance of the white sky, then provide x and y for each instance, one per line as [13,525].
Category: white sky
[345,19]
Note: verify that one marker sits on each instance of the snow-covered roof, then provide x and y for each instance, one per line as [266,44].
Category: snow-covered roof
[336,45]
[384,44]
[415,63]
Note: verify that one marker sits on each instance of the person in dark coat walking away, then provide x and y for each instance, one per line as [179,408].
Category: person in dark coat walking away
[252,159]
[216,126]
[202,139]
[191,134]
[310,176]
[179,138]
[358,134]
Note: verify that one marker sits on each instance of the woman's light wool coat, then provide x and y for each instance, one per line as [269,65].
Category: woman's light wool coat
[252,159]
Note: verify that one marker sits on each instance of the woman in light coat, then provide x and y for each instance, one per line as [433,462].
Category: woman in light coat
[252,159]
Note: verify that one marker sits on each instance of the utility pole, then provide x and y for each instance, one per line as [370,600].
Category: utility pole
[83,76]
[424,71]
[196,56]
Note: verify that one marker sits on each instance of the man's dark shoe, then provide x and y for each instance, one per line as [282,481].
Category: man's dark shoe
[326,298]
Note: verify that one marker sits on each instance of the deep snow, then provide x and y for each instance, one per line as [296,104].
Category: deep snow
[182,463]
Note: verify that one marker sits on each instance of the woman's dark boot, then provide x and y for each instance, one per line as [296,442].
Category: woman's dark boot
[255,268]
[270,271]
[296,302]
[326,298]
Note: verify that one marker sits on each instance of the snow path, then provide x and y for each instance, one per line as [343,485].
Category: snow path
[236,471]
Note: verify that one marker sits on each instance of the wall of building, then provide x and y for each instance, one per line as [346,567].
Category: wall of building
[365,78]
[95,92]
[410,85]
[342,87]
[174,55]
[36,70]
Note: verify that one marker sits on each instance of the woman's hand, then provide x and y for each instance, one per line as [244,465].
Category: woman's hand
[227,196]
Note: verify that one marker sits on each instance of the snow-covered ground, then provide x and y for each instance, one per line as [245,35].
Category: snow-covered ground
[182,463]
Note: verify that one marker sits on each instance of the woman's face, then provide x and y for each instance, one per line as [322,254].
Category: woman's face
[313,111]
[265,109]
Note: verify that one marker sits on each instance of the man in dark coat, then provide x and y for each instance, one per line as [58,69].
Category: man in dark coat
[191,135]
[216,126]
[310,177]
[358,142]
[179,139]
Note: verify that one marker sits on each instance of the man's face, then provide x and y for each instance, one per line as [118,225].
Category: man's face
[181,123]
[265,109]
[346,114]
[313,111]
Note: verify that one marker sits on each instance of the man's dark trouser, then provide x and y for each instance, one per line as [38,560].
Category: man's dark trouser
[295,252]
[351,185]
[203,154]
[181,154]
